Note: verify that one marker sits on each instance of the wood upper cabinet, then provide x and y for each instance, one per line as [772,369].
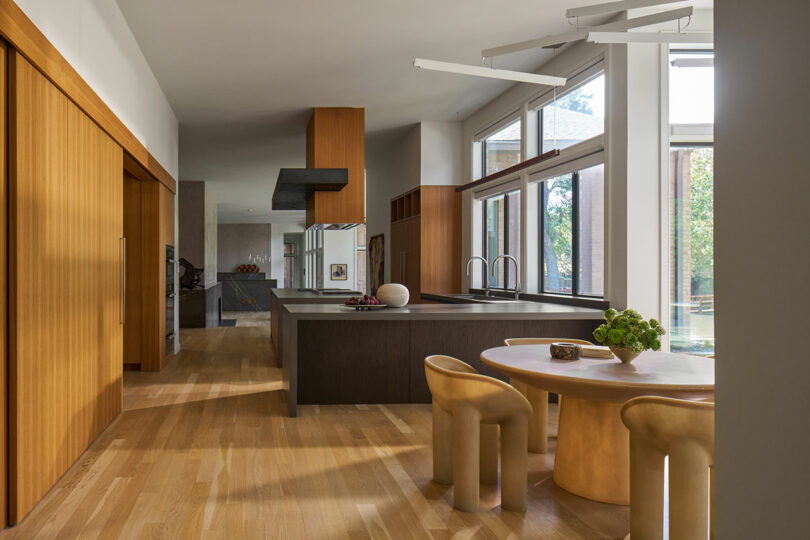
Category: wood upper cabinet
[336,138]
[65,283]
[426,240]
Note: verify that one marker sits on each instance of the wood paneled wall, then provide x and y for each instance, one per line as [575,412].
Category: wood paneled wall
[66,337]
[3,290]
[133,327]
[336,138]
[157,231]
[441,239]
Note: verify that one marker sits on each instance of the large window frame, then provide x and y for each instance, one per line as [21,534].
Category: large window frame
[677,135]
[578,156]
[574,169]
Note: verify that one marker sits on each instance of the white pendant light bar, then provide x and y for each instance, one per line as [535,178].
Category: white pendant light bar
[650,37]
[483,71]
[693,62]
[575,35]
[610,8]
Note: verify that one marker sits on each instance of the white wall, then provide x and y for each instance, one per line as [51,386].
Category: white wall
[762,268]
[95,38]
[440,154]
[277,231]
[339,247]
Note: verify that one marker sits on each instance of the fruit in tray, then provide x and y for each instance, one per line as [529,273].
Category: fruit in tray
[366,300]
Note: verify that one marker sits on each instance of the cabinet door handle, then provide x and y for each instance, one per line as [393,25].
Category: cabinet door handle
[122,311]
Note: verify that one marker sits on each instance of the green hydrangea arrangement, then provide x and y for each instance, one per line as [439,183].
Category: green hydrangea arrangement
[628,329]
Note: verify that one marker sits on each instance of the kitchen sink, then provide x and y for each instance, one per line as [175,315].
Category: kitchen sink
[481,299]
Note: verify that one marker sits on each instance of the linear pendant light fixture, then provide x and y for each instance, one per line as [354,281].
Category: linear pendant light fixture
[492,73]
[579,34]
[650,37]
[611,8]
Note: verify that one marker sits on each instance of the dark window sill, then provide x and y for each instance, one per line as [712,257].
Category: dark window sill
[566,300]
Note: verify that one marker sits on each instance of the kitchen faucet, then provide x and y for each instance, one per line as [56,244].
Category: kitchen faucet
[517,272]
[486,271]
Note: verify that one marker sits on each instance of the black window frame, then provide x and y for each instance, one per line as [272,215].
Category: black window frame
[575,239]
[506,247]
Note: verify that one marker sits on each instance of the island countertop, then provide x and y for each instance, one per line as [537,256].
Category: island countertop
[297,295]
[458,312]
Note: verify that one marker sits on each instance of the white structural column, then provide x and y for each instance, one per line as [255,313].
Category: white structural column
[633,228]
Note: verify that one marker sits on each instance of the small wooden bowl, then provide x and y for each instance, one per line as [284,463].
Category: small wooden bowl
[565,351]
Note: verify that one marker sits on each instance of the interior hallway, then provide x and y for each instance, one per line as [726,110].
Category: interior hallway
[202,449]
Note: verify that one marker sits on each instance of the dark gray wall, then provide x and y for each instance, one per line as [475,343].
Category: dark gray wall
[762,268]
[235,241]
[191,220]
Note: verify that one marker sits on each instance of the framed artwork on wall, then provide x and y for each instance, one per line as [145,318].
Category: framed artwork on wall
[339,272]
[376,262]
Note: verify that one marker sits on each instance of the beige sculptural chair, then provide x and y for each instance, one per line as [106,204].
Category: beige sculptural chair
[684,431]
[538,424]
[464,403]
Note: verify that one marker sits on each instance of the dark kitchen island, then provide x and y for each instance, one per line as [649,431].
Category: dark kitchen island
[336,355]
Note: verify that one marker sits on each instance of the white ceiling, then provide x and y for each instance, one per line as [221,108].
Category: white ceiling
[243,75]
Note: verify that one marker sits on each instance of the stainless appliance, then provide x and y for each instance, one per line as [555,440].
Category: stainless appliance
[170,299]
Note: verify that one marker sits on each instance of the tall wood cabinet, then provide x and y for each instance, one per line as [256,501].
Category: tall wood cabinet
[65,282]
[426,240]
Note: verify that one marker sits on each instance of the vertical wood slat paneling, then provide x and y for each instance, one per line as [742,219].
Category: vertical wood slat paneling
[132,232]
[336,138]
[66,340]
[3,292]
[157,231]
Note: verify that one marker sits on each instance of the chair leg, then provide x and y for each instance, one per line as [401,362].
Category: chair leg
[688,492]
[489,454]
[466,441]
[646,490]
[538,424]
[442,445]
[514,463]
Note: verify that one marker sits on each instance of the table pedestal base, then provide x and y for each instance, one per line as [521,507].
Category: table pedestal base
[593,451]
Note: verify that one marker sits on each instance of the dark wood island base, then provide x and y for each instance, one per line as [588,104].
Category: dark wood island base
[337,356]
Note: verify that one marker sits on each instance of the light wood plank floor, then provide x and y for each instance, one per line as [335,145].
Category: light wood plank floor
[203,450]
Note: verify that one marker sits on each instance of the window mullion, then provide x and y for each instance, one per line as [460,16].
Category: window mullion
[505,266]
[541,220]
[575,234]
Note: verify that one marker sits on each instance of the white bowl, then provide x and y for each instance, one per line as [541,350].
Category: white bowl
[393,294]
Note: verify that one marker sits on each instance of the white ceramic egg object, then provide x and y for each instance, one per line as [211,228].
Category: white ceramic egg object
[393,294]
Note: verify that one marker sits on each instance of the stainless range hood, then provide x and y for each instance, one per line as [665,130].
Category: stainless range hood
[295,186]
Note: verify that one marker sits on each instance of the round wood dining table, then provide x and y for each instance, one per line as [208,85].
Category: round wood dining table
[592,458]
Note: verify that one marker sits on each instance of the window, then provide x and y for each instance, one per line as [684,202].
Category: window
[574,117]
[571,235]
[502,237]
[360,266]
[501,150]
[691,87]
[691,202]
[314,258]
[691,250]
